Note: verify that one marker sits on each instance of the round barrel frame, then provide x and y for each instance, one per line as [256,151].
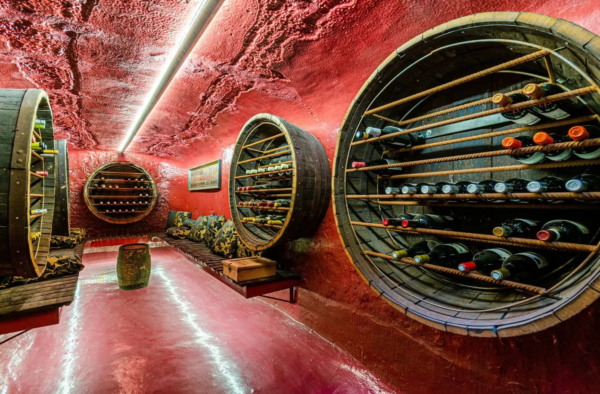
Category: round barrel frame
[25,190]
[311,182]
[540,308]
[89,194]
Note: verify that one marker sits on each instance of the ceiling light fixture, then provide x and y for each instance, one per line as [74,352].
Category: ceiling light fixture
[202,17]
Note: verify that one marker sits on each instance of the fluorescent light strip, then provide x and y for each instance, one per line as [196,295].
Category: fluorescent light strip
[202,17]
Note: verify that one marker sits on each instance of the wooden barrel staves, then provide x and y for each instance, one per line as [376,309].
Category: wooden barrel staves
[279,184]
[439,88]
[133,266]
[62,208]
[26,181]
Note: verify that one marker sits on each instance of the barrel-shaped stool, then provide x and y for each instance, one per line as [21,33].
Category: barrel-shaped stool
[133,266]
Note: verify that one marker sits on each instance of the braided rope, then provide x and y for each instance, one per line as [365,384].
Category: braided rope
[499,110]
[456,82]
[471,275]
[517,130]
[503,152]
[565,164]
[571,247]
[484,196]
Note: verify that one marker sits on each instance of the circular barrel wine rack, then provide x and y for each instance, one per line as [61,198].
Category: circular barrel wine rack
[26,181]
[440,85]
[62,208]
[283,165]
[120,192]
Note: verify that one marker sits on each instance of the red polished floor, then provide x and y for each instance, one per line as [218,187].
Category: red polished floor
[185,332]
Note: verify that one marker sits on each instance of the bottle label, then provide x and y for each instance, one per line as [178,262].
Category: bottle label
[537,259]
[528,119]
[460,248]
[557,114]
[560,155]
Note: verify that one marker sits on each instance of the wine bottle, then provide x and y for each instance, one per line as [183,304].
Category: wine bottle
[556,110]
[521,228]
[523,142]
[282,203]
[543,138]
[381,162]
[522,116]
[427,188]
[563,231]
[582,133]
[397,221]
[404,140]
[447,255]
[38,146]
[34,236]
[521,267]
[513,185]
[486,261]
[547,184]
[408,188]
[276,220]
[428,221]
[486,186]
[392,190]
[39,124]
[38,211]
[457,188]
[583,183]
[423,247]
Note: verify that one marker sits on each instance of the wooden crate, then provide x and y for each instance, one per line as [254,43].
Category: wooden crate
[248,268]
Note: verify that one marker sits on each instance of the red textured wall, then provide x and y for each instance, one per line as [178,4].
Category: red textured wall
[303,60]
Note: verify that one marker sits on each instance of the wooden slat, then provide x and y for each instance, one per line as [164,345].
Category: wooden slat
[263,140]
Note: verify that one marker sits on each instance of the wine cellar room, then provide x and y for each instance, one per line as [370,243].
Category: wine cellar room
[300,196]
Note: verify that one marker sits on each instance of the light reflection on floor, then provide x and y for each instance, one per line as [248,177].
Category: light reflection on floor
[185,332]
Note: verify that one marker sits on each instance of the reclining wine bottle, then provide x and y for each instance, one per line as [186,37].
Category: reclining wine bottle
[486,186]
[380,162]
[523,142]
[556,110]
[282,203]
[520,228]
[408,188]
[543,138]
[400,141]
[427,188]
[513,185]
[563,231]
[397,221]
[522,116]
[583,183]
[392,190]
[423,247]
[428,221]
[446,255]
[38,146]
[582,133]
[547,184]
[39,124]
[486,261]
[521,267]
[276,220]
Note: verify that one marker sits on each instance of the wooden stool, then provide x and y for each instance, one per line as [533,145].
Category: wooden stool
[133,266]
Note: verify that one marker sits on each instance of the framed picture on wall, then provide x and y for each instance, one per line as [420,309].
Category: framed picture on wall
[205,177]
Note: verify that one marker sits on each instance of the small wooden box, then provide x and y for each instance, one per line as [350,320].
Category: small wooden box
[248,268]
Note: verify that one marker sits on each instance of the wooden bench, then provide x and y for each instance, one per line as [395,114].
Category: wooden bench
[38,304]
[200,254]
